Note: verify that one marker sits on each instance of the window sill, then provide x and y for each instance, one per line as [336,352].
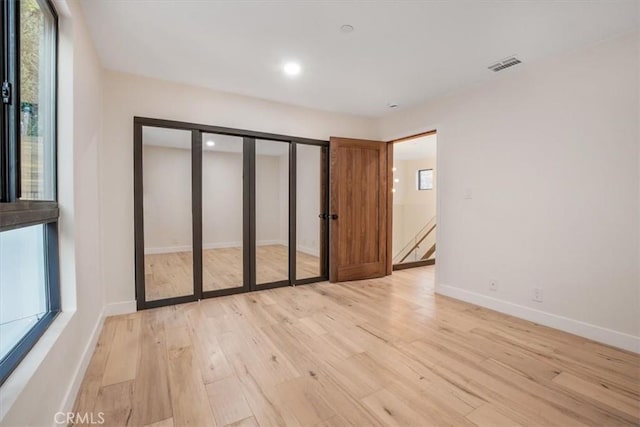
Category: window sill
[25,371]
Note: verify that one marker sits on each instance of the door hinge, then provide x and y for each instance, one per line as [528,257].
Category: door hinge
[6,92]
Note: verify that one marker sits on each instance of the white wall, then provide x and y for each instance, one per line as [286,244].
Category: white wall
[126,96]
[47,379]
[550,153]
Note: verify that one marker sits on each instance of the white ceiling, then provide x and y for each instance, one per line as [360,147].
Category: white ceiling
[417,148]
[404,52]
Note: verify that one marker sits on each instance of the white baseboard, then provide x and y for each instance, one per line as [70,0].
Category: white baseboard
[221,245]
[167,250]
[239,244]
[308,250]
[271,242]
[122,307]
[597,333]
[78,376]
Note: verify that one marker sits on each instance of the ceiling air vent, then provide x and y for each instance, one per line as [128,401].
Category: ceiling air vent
[505,63]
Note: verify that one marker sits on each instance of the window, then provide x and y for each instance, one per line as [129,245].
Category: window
[29,283]
[425,179]
[37,101]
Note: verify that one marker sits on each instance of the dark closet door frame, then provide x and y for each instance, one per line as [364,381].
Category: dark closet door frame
[248,215]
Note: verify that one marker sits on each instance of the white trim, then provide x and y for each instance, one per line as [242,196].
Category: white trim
[308,250]
[271,242]
[167,250]
[221,245]
[122,307]
[576,327]
[78,376]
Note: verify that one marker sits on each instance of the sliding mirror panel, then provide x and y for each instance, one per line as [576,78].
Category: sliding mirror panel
[167,213]
[272,211]
[222,208]
[311,208]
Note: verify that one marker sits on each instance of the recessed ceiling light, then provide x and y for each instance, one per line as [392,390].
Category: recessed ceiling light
[292,68]
[392,105]
[211,143]
[346,28]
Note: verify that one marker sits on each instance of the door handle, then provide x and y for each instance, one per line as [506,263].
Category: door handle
[322,216]
[333,216]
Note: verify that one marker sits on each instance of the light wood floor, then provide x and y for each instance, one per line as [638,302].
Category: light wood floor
[171,275]
[370,353]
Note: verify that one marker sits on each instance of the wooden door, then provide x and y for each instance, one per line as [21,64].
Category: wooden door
[358,210]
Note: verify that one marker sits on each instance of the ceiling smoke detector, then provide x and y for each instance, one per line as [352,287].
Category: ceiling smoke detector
[505,63]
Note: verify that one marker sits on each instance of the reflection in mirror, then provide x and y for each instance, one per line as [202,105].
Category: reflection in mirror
[221,212]
[272,211]
[310,203]
[168,252]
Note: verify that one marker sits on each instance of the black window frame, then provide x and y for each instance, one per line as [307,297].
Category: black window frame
[16,213]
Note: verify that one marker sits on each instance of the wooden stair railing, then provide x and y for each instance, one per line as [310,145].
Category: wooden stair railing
[430,252]
[418,244]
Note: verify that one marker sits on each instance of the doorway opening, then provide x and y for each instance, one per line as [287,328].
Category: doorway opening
[220,211]
[414,188]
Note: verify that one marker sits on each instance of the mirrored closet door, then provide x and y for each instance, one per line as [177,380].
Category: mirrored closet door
[165,193]
[271,212]
[312,231]
[220,211]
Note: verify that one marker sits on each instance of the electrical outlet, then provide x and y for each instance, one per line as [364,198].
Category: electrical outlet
[537,294]
[493,286]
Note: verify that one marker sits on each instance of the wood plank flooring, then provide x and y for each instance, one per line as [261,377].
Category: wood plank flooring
[171,275]
[383,352]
